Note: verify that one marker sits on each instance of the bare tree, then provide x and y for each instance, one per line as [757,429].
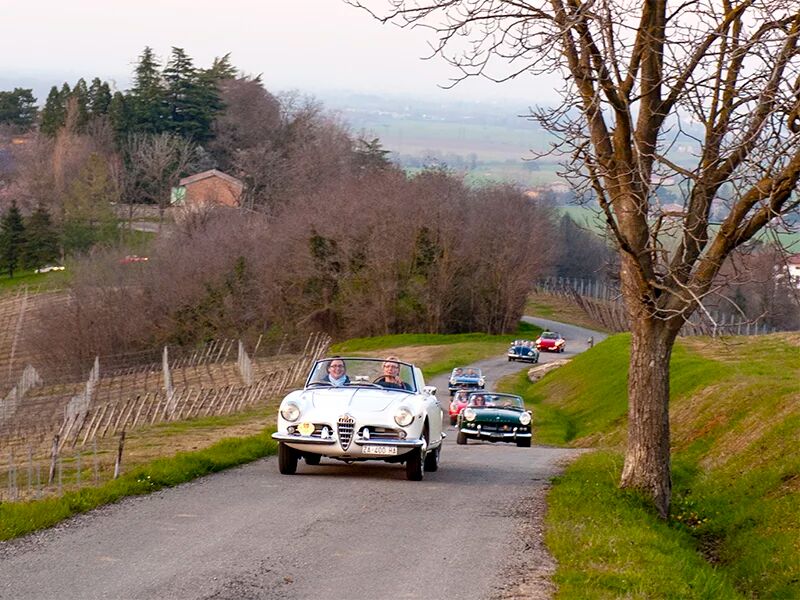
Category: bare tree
[155,163]
[704,93]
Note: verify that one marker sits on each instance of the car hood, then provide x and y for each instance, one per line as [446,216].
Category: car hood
[360,400]
[497,415]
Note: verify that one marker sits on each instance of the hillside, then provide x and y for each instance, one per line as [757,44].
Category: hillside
[735,521]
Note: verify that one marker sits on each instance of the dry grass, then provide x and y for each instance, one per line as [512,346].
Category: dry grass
[558,308]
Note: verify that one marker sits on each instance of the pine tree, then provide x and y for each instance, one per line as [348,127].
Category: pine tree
[222,68]
[41,245]
[99,97]
[12,239]
[81,95]
[119,112]
[54,113]
[18,107]
[184,98]
[147,97]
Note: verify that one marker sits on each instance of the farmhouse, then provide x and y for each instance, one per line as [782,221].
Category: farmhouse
[208,188]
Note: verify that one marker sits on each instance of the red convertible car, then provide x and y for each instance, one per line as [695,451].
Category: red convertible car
[550,341]
[457,404]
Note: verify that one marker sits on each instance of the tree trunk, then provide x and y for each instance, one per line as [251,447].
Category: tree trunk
[647,458]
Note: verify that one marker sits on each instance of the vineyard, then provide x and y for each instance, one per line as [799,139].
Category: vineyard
[50,419]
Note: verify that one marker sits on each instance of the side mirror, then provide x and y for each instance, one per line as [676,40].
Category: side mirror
[429,390]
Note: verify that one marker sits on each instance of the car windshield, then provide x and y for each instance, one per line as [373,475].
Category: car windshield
[550,336]
[391,375]
[466,372]
[482,400]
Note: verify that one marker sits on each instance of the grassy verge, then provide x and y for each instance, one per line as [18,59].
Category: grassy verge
[19,518]
[427,339]
[557,308]
[609,545]
[735,522]
[436,353]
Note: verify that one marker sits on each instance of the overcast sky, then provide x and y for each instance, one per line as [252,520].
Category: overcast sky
[309,45]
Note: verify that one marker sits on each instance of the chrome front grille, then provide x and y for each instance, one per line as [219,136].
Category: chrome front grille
[345,427]
[384,433]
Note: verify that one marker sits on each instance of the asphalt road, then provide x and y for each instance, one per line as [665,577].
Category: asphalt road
[331,531]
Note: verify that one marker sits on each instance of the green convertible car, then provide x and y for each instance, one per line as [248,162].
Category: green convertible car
[495,418]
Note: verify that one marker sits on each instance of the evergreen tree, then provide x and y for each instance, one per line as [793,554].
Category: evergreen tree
[99,97]
[119,112]
[54,113]
[147,97]
[41,245]
[81,94]
[18,107]
[12,239]
[222,69]
[192,97]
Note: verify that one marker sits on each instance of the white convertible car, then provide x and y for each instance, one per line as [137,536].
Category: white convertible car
[355,409]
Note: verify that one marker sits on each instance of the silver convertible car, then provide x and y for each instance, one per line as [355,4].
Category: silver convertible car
[356,409]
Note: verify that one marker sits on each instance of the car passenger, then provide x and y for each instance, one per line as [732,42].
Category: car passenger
[337,375]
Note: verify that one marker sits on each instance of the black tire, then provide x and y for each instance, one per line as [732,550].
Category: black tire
[432,460]
[414,465]
[287,459]
[453,420]
[452,392]
[461,439]
[524,443]
[312,459]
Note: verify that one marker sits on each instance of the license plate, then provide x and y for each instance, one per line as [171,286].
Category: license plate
[382,450]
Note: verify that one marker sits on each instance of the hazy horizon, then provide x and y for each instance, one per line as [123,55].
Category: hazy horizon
[313,46]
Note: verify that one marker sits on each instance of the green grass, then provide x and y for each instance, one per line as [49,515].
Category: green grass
[425,339]
[735,521]
[609,544]
[462,348]
[54,279]
[19,518]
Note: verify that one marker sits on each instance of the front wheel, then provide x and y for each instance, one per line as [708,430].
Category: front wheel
[461,438]
[453,420]
[414,465]
[287,459]
[524,443]
[432,460]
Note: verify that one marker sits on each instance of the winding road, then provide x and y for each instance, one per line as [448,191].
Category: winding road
[331,531]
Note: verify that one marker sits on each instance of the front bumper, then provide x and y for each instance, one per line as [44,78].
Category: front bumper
[332,443]
[495,435]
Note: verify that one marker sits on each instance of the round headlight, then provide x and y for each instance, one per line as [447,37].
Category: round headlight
[469,414]
[290,412]
[403,417]
[525,418]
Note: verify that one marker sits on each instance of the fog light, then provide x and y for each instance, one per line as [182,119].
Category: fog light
[325,434]
[365,433]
